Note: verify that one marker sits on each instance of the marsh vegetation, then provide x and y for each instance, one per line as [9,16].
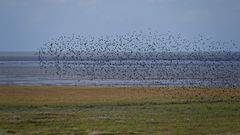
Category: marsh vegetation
[119,110]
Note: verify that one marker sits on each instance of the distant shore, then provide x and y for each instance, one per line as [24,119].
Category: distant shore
[91,56]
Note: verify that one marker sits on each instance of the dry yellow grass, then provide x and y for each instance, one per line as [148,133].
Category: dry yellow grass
[61,94]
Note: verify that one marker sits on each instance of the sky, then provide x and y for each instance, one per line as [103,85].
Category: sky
[26,24]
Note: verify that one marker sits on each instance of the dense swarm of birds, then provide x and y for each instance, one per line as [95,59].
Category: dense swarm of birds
[140,56]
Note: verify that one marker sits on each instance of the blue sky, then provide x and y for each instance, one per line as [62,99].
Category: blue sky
[26,24]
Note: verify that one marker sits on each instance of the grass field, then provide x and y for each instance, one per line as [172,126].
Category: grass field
[119,110]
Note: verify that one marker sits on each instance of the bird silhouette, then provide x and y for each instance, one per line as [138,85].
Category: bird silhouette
[142,56]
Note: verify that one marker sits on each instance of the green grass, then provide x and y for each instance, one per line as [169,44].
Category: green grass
[96,110]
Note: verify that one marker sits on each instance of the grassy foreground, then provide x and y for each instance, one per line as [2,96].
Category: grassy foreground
[119,110]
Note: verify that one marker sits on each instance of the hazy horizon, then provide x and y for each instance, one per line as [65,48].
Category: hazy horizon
[27,24]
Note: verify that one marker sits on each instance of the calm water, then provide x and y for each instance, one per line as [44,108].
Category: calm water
[125,73]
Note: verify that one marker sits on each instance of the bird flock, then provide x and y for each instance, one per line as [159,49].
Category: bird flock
[142,56]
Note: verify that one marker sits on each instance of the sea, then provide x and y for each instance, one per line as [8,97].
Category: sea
[123,73]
